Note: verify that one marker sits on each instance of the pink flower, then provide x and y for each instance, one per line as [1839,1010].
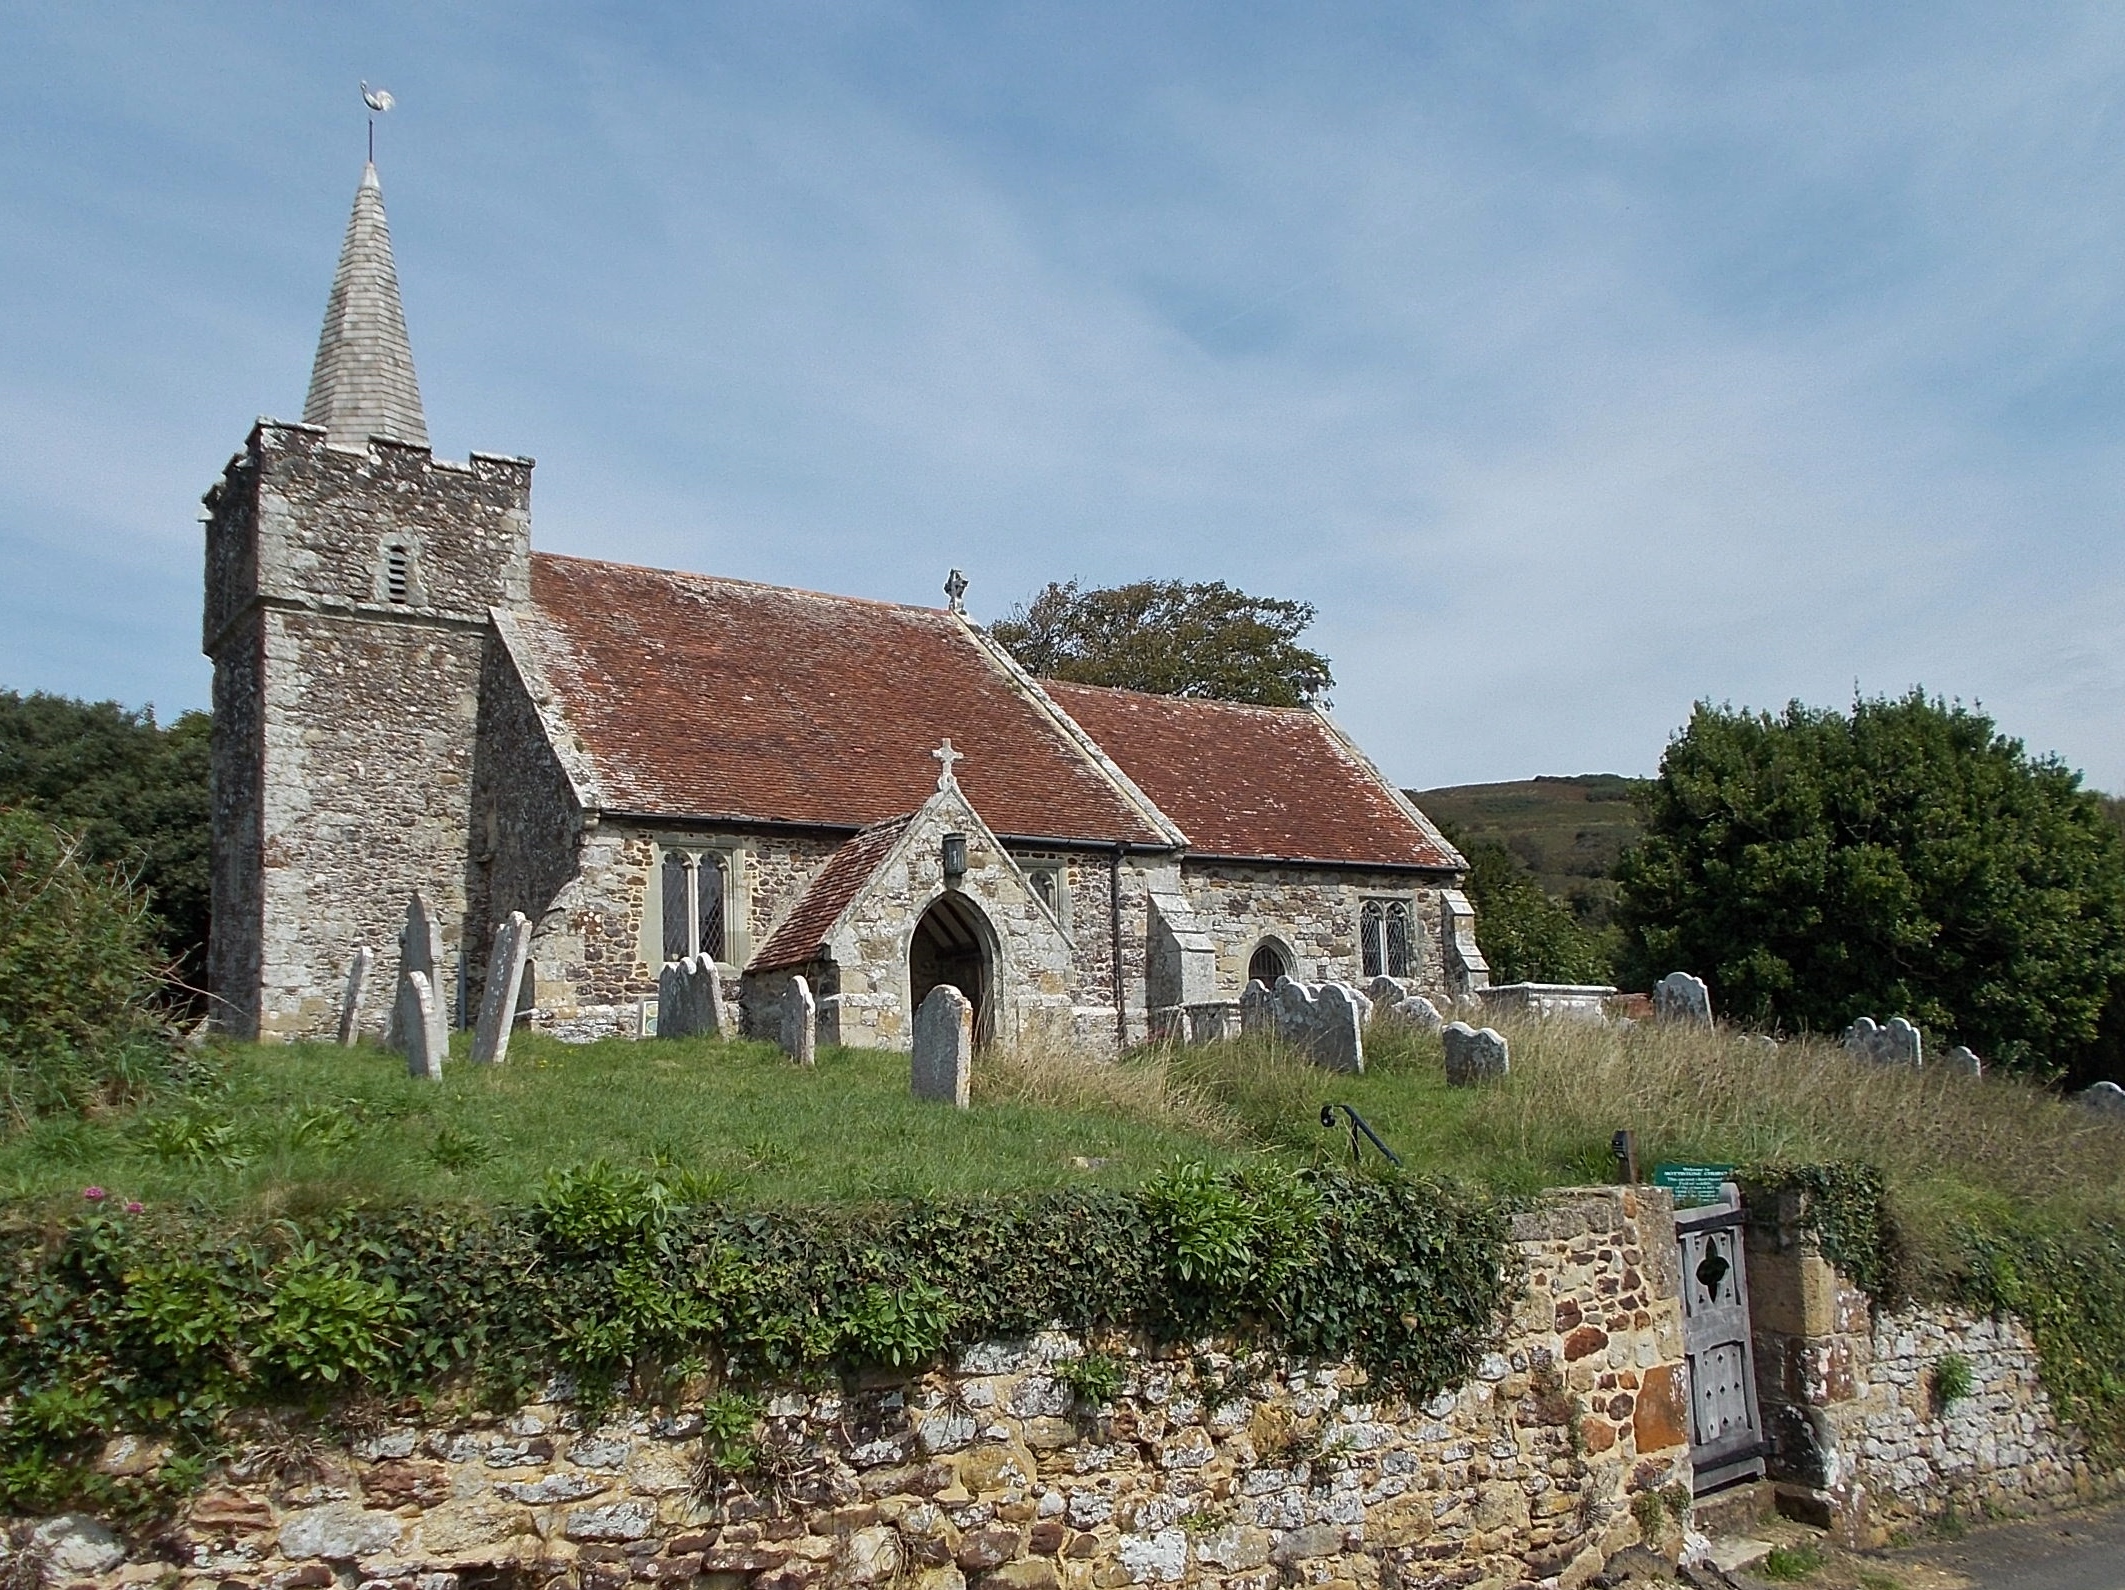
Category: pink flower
[133,1206]
[94,1195]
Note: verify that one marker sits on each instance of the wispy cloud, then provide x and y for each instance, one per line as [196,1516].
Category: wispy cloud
[1575,363]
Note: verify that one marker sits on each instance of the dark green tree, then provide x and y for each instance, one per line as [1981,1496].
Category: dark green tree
[130,794]
[1903,859]
[1171,638]
[1527,936]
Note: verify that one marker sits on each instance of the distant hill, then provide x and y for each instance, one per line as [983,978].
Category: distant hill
[1569,831]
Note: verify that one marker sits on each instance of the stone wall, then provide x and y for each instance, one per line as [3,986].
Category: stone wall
[1247,1471]
[1313,914]
[1849,1399]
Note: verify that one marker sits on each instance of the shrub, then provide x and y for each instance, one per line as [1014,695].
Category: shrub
[1952,1381]
[79,980]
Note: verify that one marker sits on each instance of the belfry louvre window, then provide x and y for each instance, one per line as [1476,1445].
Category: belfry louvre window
[691,897]
[398,573]
[1384,938]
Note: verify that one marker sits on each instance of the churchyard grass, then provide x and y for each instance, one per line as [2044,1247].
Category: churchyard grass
[309,1126]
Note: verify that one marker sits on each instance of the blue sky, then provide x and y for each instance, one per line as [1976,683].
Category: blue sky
[1577,362]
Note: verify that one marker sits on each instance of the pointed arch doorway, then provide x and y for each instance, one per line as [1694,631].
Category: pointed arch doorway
[953,943]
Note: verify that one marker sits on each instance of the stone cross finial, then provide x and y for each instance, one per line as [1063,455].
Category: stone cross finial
[946,756]
[955,591]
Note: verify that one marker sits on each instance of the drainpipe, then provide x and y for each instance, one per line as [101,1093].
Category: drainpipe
[1114,904]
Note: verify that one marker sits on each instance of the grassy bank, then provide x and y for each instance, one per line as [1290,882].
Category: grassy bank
[311,1126]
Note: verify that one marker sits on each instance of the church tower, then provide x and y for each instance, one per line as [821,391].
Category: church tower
[350,575]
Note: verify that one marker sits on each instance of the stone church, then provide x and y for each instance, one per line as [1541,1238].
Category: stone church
[653,765]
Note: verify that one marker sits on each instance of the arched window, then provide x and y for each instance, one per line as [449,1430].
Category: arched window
[1384,938]
[1372,939]
[708,907]
[1266,965]
[677,915]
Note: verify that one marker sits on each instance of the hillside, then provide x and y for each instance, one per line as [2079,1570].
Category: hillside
[1568,831]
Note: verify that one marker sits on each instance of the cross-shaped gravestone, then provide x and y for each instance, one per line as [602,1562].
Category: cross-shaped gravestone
[945,757]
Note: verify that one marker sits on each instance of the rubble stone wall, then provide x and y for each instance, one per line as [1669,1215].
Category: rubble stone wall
[1850,1396]
[1313,914]
[1211,1465]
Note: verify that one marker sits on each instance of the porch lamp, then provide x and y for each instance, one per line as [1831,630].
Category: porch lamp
[954,855]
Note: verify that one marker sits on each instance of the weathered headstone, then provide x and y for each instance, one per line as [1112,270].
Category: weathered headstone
[1474,1056]
[1388,992]
[2107,1097]
[1418,1012]
[943,1062]
[350,1005]
[419,1020]
[800,1023]
[1679,997]
[1257,1009]
[1325,1020]
[690,1001]
[505,981]
[1964,1059]
[1213,1021]
[1894,1042]
[420,950]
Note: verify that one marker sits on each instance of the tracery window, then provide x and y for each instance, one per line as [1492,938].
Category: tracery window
[691,894]
[1384,938]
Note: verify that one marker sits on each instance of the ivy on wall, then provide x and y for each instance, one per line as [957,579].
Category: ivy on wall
[170,1325]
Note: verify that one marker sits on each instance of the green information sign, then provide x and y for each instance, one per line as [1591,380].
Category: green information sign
[1693,1184]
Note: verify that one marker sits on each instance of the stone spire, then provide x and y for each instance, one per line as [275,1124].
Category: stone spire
[363,383]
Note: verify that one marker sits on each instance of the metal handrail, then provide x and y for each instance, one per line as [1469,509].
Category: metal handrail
[1357,1124]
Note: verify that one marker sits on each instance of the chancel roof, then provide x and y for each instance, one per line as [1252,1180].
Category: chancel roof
[704,698]
[1255,781]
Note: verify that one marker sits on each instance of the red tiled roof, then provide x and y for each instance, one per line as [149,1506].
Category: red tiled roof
[798,939]
[1252,781]
[712,698]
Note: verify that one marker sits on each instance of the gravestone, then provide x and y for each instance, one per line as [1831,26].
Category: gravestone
[350,1005]
[420,950]
[2106,1097]
[1418,1012]
[1213,1021]
[1257,1009]
[1679,997]
[1894,1042]
[417,1017]
[800,1023]
[505,982]
[943,1061]
[1325,1020]
[1964,1059]
[1474,1056]
[690,1001]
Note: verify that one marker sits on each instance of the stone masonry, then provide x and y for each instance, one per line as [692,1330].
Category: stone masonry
[1214,1466]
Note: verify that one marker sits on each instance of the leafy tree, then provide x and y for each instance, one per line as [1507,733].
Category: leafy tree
[1905,859]
[79,975]
[1525,935]
[130,793]
[1170,638]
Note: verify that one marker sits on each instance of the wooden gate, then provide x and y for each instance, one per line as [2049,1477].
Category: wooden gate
[1726,1435]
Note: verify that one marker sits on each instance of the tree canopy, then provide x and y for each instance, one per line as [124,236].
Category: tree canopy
[1903,859]
[1527,936]
[129,792]
[1171,638]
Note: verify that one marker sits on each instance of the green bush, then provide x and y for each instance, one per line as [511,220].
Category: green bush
[168,1322]
[79,981]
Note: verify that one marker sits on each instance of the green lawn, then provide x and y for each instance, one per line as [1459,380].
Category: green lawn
[308,1125]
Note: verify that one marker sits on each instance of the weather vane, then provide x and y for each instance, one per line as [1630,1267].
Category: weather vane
[378,100]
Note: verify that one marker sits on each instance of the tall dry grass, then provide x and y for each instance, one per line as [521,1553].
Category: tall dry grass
[1954,1149]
